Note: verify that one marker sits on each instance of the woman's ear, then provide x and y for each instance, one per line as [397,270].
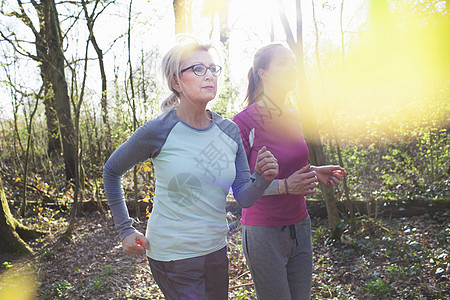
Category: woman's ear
[261,74]
[175,84]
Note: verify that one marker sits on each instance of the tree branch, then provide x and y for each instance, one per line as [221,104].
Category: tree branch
[26,20]
[287,29]
[17,48]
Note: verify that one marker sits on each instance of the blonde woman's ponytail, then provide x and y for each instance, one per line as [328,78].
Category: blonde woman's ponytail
[170,102]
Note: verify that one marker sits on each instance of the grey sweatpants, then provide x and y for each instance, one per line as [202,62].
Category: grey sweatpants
[280,260]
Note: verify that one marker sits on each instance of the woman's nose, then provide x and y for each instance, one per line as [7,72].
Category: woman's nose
[208,75]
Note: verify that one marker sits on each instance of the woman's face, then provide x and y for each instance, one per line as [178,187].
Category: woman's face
[281,73]
[194,88]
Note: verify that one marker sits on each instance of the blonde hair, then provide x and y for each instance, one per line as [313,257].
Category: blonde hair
[171,64]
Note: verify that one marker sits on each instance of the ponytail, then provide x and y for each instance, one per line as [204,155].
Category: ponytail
[170,102]
[254,87]
[261,61]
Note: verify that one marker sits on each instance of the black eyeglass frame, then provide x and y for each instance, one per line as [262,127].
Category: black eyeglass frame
[206,69]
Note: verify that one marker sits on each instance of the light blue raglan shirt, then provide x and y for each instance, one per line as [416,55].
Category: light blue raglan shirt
[195,169]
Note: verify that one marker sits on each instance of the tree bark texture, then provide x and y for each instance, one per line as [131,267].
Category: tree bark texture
[59,86]
[183,13]
[54,142]
[50,56]
[309,122]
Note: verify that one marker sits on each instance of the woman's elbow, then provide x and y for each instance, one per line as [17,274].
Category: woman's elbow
[243,204]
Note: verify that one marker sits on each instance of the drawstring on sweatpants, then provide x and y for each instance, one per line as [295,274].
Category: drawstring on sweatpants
[292,231]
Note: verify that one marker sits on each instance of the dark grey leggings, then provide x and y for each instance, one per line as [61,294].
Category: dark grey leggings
[198,278]
[280,260]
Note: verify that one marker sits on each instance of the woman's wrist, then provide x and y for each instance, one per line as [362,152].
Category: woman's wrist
[281,187]
[286,186]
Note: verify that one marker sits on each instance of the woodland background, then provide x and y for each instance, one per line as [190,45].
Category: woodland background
[78,77]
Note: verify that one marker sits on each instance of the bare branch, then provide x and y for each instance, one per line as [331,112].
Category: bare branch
[287,29]
[17,48]
[26,20]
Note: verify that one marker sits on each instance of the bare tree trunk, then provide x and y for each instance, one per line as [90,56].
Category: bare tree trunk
[143,84]
[54,141]
[348,201]
[42,57]
[341,25]
[224,29]
[4,147]
[51,59]
[133,107]
[104,98]
[117,111]
[53,134]
[23,207]
[309,121]
[183,12]
[432,165]
[96,195]
[188,4]
[59,86]
[316,30]
[15,106]
[79,170]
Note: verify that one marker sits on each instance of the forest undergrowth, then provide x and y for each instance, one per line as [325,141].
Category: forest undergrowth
[400,258]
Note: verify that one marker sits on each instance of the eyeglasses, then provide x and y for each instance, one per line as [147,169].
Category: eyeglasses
[200,69]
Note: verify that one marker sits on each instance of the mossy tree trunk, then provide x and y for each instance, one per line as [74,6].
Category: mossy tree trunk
[12,232]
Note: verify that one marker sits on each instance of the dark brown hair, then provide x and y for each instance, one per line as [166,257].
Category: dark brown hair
[261,60]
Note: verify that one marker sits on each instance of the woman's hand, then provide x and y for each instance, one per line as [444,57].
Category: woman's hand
[330,175]
[266,164]
[301,182]
[135,243]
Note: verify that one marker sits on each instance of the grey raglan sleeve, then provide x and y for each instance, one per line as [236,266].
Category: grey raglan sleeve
[143,144]
[272,189]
